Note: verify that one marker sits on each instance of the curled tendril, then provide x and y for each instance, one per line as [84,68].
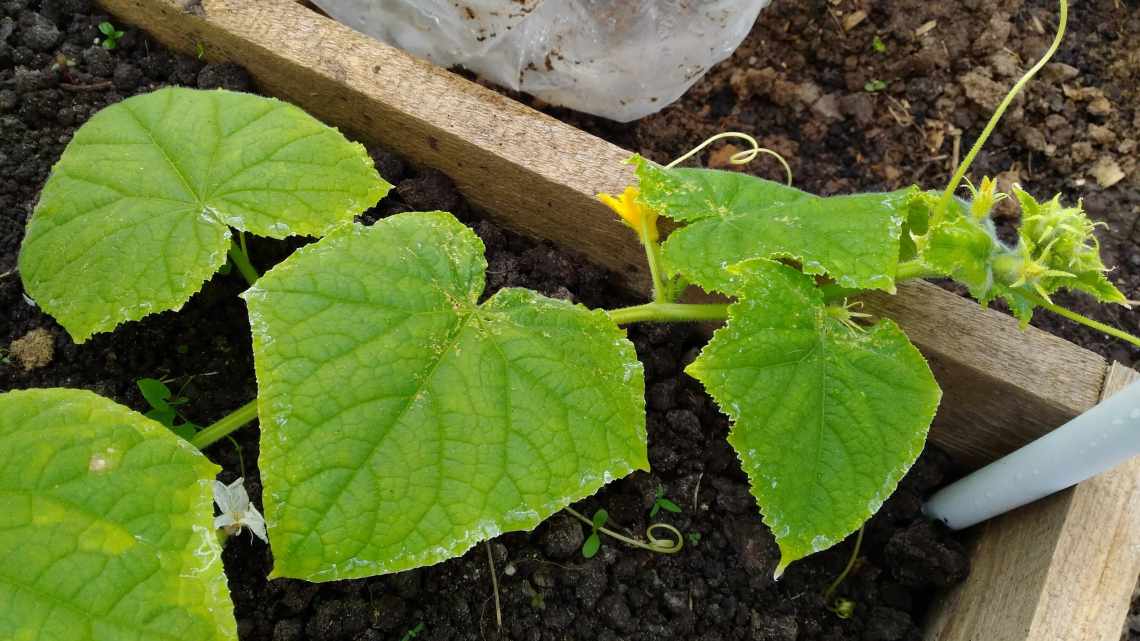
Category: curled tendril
[739,158]
[671,544]
[960,173]
[668,545]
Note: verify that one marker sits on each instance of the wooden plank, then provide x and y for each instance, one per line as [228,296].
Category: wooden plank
[1002,387]
[538,175]
[1061,569]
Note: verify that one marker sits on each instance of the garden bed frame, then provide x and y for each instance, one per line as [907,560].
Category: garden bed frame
[1062,569]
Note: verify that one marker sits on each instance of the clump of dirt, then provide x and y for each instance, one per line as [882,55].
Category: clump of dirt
[34,349]
[719,587]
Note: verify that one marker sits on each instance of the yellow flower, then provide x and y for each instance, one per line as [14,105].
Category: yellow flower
[633,213]
[985,197]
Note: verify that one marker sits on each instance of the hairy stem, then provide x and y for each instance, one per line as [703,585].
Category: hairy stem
[911,269]
[655,544]
[228,423]
[664,312]
[907,270]
[1086,321]
[240,256]
[653,258]
[947,195]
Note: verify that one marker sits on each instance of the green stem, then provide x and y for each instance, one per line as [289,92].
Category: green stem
[663,546]
[675,312]
[240,257]
[830,591]
[948,195]
[1086,321]
[907,270]
[653,258]
[911,269]
[222,428]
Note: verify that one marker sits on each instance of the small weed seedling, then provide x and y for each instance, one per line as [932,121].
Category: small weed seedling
[872,86]
[111,35]
[843,608]
[661,502]
[877,45]
[593,542]
[413,633]
[404,416]
[164,407]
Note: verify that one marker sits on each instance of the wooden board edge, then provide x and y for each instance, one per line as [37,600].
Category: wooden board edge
[1062,569]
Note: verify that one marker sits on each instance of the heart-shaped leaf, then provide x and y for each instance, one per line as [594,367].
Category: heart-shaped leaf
[403,421]
[106,531]
[827,417]
[136,214]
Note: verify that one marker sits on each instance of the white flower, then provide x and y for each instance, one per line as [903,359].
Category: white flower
[237,512]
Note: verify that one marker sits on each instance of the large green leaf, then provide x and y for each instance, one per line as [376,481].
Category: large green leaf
[731,217]
[135,215]
[403,421]
[826,417]
[106,531]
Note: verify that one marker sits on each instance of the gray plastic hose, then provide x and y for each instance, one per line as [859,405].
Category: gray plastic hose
[1094,442]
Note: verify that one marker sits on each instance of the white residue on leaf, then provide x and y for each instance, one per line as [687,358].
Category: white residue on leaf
[820,543]
[874,504]
[102,461]
[208,552]
[97,463]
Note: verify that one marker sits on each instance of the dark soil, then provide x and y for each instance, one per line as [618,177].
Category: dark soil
[52,78]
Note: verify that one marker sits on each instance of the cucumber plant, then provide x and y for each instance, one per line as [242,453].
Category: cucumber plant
[404,415]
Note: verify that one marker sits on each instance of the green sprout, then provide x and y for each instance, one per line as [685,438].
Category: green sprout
[164,406]
[593,542]
[411,634]
[878,46]
[661,502]
[873,86]
[111,41]
[844,608]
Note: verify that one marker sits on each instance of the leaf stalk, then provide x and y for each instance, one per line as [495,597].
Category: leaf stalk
[223,427]
[669,312]
[646,233]
[1085,320]
[830,591]
[240,257]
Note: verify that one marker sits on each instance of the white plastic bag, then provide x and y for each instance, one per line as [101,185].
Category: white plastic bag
[622,59]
